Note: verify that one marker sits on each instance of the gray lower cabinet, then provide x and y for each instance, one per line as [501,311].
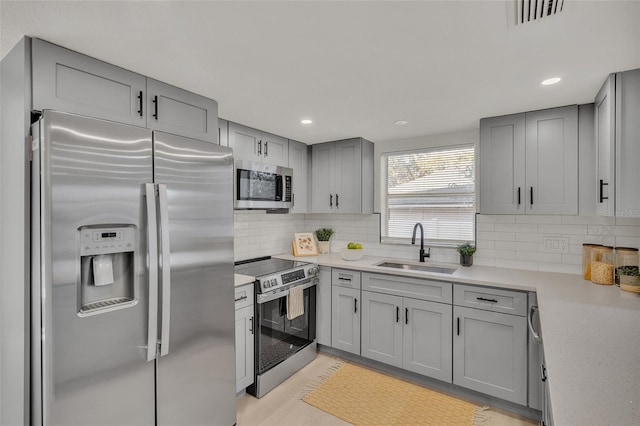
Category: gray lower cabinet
[68,81]
[323,307]
[173,110]
[345,319]
[255,145]
[244,337]
[342,177]
[299,159]
[407,333]
[490,353]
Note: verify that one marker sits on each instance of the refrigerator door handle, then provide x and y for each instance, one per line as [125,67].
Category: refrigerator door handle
[165,269]
[152,247]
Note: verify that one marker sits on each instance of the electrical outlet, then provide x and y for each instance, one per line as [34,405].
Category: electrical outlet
[555,244]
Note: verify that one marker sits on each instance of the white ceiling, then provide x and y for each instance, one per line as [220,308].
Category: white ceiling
[353,67]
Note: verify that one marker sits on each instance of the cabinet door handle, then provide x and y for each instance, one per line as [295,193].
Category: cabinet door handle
[266,145]
[293,200]
[458,325]
[337,201]
[518,195]
[155,107]
[259,147]
[534,333]
[602,197]
[543,373]
[140,100]
[251,322]
[406,315]
[531,194]
[331,200]
[355,305]
[487,300]
[397,313]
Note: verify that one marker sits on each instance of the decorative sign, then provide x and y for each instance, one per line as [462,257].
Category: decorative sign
[304,244]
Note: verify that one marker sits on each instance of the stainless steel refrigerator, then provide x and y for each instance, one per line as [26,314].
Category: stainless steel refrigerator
[132,295]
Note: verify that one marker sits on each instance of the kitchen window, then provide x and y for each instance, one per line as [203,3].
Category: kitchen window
[435,187]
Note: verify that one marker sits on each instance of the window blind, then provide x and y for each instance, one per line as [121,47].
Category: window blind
[435,187]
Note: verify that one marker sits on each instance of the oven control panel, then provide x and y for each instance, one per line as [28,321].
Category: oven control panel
[275,282]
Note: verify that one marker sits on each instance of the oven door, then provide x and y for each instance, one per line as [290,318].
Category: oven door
[278,338]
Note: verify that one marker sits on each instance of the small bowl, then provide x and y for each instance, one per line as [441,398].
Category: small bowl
[351,254]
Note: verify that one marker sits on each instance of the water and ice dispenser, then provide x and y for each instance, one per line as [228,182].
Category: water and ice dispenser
[107,268]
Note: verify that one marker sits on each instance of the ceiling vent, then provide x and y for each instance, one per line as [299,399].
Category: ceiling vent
[535,10]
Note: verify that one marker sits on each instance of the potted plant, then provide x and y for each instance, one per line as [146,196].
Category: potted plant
[629,278]
[323,235]
[466,254]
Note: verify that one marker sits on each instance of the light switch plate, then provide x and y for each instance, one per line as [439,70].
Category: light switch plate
[555,244]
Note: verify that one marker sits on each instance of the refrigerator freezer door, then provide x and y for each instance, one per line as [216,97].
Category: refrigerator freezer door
[196,374]
[93,368]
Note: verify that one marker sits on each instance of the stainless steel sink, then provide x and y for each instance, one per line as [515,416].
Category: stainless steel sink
[412,267]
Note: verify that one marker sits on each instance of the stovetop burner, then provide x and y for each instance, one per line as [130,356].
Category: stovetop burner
[276,274]
[266,266]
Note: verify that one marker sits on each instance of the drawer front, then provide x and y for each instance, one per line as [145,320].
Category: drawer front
[345,278]
[244,296]
[415,288]
[490,299]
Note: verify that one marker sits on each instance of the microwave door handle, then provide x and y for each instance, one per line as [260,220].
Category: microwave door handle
[152,247]
[165,270]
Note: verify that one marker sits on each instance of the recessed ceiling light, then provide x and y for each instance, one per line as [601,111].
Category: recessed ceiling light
[551,81]
[400,122]
[306,121]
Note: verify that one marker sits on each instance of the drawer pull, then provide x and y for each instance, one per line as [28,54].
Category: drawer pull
[487,300]
[344,279]
[240,298]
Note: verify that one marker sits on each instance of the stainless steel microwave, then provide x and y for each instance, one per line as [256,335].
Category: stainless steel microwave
[262,186]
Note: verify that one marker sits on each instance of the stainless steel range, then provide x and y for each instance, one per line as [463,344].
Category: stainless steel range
[283,346]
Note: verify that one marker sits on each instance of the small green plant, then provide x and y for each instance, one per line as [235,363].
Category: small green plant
[324,234]
[632,271]
[466,249]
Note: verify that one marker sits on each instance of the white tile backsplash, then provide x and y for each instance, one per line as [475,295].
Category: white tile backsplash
[505,241]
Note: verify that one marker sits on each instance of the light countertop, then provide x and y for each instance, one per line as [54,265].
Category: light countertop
[591,336]
[240,279]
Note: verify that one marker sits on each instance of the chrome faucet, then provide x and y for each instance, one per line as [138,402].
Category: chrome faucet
[413,241]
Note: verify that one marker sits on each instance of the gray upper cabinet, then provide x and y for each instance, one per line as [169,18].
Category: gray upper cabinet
[223,132]
[616,116]
[604,135]
[502,164]
[68,81]
[173,110]
[299,161]
[529,163]
[342,177]
[490,353]
[254,145]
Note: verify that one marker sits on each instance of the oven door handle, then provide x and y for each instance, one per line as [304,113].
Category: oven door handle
[267,297]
